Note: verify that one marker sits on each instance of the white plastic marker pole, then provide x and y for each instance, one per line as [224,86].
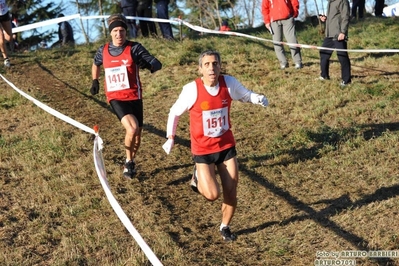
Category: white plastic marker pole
[100,169]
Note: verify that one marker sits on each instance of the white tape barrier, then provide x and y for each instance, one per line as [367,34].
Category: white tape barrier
[100,168]
[203,30]
[44,23]
[77,16]
[177,21]
[101,172]
[232,33]
[50,110]
[391,11]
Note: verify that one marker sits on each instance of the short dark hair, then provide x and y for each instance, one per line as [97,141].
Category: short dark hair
[206,53]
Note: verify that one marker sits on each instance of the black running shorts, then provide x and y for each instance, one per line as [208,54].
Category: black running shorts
[122,108]
[216,158]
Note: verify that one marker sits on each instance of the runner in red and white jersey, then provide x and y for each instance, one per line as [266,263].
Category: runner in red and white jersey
[122,60]
[208,100]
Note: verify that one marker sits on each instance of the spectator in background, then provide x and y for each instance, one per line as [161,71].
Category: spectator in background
[225,26]
[358,7]
[379,8]
[144,9]
[337,23]
[163,13]
[65,34]
[278,16]
[43,45]
[5,32]
[129,8]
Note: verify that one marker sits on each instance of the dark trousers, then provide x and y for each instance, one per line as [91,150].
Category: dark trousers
[163,13]
[379,7]
[358,5]
[145,10]
[131,24]
[342,57]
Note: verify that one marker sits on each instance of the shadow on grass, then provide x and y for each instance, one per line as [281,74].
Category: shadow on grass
[353,64]
[101,103]
[322,217]
[376,130]
[327,136]
[162,133]
[375,69]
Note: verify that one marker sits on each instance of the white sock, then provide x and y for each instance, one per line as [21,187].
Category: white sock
[222,225]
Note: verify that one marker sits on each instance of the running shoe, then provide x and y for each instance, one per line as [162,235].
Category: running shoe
[283,66]
[344,84]
[7,62]
[129,170]
[227,234]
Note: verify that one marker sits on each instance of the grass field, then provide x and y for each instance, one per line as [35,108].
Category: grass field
[318,167]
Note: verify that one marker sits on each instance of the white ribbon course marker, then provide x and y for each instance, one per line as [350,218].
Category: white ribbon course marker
[101,172]
[199,29]
[97,147]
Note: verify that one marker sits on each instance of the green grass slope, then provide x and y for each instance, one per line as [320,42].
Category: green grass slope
[318,167]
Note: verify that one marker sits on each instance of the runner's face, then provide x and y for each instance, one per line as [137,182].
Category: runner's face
[118,35]
[210,70]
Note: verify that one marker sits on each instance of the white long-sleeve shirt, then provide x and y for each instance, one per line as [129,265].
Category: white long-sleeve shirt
[188,96]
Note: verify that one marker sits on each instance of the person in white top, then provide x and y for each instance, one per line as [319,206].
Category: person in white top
[208,100]
[5,31]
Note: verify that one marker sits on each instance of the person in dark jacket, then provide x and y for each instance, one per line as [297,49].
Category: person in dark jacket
[129,8]
[336,36]
[163,13]
[65,34]
[122,60]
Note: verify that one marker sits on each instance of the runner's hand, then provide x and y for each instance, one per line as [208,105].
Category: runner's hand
[95,87]
[168,145]
[262,100]
[259,99]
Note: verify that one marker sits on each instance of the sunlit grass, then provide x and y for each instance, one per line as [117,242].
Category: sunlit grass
[318,167]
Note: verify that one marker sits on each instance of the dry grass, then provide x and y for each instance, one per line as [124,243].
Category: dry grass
[318,167]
